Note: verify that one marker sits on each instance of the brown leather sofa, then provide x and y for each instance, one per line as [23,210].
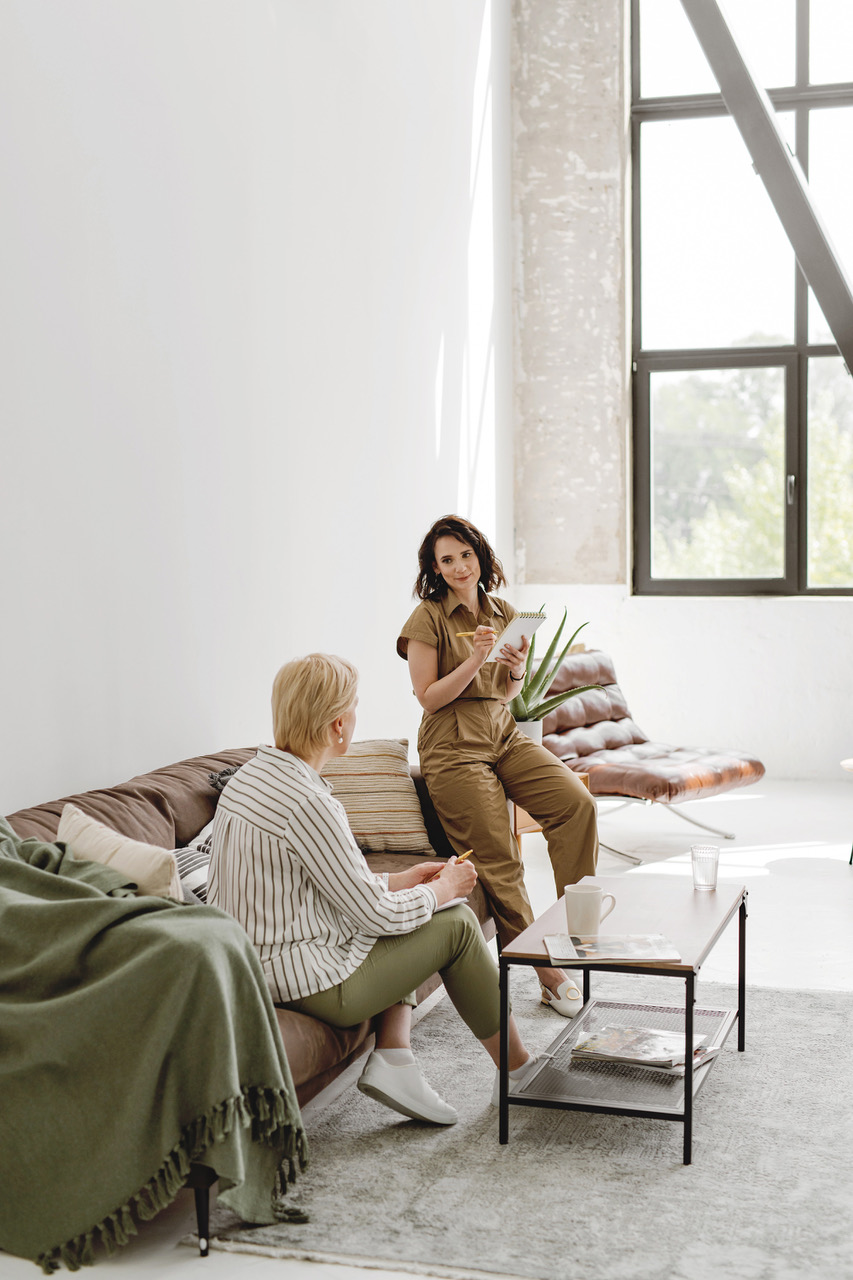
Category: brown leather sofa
[594,733]
[169,807]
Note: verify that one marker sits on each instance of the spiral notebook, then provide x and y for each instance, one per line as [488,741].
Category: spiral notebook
[522,627]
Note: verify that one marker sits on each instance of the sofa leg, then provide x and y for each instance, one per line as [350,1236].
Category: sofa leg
[202,1213]
[201,1179]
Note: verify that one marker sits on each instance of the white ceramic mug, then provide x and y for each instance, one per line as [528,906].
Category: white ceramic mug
[585,908]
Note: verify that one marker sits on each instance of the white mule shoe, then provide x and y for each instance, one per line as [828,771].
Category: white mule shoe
[567,1000]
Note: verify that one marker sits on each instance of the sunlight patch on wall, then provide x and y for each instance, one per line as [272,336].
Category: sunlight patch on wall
[439,396]
[477,457]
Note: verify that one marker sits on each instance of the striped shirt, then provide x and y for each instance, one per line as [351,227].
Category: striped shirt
[286,866]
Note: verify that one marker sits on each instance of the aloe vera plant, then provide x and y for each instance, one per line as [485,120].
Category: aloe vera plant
[529,703]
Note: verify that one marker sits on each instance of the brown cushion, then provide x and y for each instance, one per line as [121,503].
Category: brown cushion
[594,733]
[607,735]
[166,807]
[667,775]
[313,1046]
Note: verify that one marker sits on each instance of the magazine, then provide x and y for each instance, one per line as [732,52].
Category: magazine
[638,1046]
[562,947]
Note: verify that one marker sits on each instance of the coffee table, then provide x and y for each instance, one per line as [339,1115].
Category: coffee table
[694,921]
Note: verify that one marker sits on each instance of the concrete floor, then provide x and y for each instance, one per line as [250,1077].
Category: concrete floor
[791,849]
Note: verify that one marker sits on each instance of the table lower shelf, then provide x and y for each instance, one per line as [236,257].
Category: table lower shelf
[615,1087]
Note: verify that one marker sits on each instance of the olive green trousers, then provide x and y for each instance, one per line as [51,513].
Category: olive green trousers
[451,943]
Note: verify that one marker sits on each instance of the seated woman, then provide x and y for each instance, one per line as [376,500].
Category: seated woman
[336,941]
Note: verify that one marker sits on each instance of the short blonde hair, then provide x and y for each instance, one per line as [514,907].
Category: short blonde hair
[307,695]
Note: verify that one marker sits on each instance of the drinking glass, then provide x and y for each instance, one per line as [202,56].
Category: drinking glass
[705,859]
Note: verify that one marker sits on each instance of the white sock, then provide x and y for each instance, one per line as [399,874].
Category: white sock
[396,1057]
[513,1075]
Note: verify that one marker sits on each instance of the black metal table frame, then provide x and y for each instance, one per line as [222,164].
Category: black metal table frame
[689,979]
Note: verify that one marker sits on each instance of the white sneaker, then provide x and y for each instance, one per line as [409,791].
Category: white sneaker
[404,1089]
[515,1082]
[568,998]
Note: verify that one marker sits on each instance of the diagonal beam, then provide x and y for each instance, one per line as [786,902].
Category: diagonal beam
[778,169]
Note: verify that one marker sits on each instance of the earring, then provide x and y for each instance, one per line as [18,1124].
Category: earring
[340,737]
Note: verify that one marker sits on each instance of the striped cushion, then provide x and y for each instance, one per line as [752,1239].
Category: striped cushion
[373,783]
[194,862]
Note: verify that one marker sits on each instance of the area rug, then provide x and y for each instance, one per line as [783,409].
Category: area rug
[769,1195]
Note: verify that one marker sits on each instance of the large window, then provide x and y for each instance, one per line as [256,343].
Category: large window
[743,407]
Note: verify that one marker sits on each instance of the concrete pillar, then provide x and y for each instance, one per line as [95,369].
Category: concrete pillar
[571,156]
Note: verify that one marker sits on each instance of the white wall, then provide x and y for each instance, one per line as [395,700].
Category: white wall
[254,339]
[767,675]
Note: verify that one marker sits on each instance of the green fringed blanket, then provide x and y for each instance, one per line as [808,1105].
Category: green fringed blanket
[136,1035]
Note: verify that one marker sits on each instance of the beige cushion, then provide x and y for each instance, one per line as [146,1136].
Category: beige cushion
[153,869]
[373,783]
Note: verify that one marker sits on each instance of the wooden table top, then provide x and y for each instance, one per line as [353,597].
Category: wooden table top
[692,919]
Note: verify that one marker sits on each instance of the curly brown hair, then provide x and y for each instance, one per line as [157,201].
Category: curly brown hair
[431,585]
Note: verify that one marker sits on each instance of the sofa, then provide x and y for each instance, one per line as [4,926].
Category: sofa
[168,807]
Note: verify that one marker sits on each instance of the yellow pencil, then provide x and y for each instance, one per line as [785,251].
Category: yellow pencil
[469,633]
[461,858]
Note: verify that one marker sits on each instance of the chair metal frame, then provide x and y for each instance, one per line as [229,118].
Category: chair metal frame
[624,801]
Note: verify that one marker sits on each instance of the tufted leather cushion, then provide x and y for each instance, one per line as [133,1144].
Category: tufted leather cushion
[594,733]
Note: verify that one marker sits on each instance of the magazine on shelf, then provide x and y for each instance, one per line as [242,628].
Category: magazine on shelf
[641,1047]
[562,947]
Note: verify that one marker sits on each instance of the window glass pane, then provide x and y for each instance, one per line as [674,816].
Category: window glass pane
[830,41]
[671,58]
[672,61]
[831,184]
[718,473]
[766,32]
[819,330]
[717,268]
[830,471]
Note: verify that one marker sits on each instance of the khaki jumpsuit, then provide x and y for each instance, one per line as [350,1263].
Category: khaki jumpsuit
[472,757]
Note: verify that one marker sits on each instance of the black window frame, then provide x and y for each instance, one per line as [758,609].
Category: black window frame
[802,98]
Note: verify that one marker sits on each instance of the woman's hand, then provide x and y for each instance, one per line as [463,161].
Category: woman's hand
[515,659]
[457,879]
[483,641]
[416,875]
[447,880]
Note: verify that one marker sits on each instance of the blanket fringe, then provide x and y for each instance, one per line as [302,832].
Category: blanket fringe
[265,1109]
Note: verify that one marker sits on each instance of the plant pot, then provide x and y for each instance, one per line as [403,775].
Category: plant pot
[531,729]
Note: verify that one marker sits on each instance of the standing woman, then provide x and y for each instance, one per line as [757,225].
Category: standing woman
[472,754]
[335,940]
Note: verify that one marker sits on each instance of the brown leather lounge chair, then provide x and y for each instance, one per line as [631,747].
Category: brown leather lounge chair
[593,733]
